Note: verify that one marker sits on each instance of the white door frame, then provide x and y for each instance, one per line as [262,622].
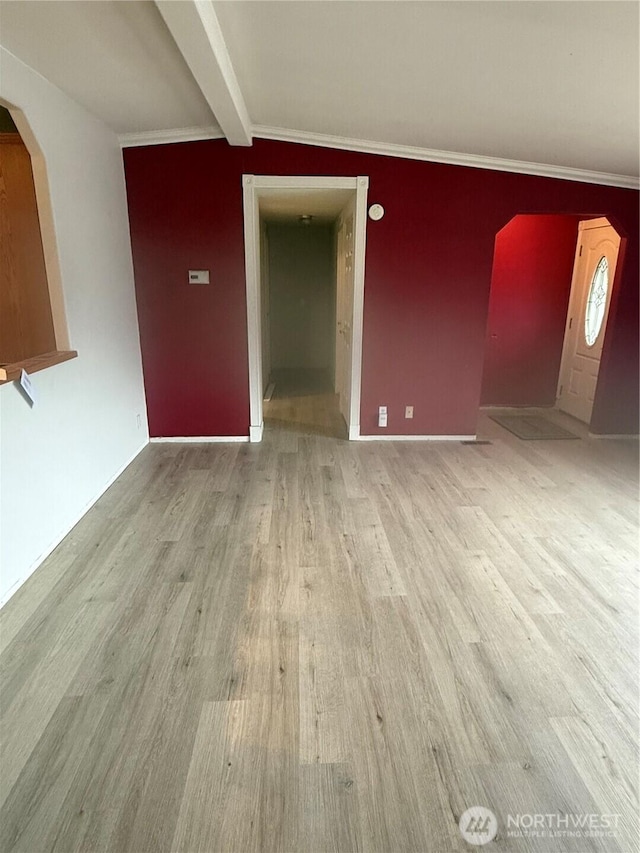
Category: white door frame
[252,185]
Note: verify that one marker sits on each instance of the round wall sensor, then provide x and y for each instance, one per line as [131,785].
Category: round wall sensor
[376,212]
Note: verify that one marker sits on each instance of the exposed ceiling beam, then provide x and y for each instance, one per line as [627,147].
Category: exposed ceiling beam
[195,29]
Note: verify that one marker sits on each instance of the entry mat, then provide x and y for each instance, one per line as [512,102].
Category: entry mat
[532,427]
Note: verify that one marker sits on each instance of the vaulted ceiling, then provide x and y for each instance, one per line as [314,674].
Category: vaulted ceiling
[549,83]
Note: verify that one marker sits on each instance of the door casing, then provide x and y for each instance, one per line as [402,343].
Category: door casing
[253,186]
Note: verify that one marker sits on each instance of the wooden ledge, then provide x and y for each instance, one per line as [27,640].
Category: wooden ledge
[9,372]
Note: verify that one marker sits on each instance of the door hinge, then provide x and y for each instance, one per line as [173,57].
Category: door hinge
[560,391]
[570,322]
[580,253]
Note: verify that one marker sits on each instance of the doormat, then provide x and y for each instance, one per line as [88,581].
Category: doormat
[532,427]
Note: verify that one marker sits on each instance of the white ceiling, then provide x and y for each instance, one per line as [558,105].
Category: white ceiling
[553,83]
[117,59]
[324,205]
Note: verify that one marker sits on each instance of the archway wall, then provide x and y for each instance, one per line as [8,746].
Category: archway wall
[530,286]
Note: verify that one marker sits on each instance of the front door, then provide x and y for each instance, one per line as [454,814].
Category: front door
[593,274]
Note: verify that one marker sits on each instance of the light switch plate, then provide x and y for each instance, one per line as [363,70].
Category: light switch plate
[198,276]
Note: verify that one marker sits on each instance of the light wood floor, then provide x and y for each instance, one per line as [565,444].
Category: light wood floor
[304,401]
[309,645]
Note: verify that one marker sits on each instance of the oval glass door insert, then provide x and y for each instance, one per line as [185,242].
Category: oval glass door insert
[596,302]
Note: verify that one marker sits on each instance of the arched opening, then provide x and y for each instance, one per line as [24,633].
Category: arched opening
[33,328]
[536,259]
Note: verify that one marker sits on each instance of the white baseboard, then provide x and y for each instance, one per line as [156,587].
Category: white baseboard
[255,433]
[198,439]
[595,435]
[416,438]
[66,530]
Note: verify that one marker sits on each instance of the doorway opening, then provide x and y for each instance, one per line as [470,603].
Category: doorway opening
[298,298]
[550,301]
[304,253]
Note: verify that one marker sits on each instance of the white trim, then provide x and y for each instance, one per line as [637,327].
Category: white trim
[473,161]
[255,433]
[417,438]
[635,436]
[67,530]
[268,394]
[196,31]
[357,323]
[387,149]
[303,182]
[252,185]
[254,317]
[198,439]
[169,136]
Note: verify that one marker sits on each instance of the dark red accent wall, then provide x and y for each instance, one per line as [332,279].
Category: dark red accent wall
[530,286]
[427,283]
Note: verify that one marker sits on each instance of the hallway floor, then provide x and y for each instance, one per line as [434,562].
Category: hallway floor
[310,645]
[304,401]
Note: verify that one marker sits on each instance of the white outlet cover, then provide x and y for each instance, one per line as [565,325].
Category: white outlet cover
[198,276]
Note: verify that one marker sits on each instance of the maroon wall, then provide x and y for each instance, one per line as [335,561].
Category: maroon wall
[530,286]
[427,282]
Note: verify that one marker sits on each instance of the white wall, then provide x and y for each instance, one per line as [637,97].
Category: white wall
[58,457]
[302,294]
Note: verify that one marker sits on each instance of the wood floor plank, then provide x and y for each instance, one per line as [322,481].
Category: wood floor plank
[329,816]
[28,711]
[311,645]
[604,771]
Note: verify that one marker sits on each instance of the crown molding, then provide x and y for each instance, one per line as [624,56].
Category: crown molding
[165,137]
[386,149]
[473,161]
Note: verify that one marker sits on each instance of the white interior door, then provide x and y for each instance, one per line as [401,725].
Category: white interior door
[593,274]
[344,308]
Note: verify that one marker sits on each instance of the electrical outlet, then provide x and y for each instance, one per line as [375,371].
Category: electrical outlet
[408,411]
[382,416]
